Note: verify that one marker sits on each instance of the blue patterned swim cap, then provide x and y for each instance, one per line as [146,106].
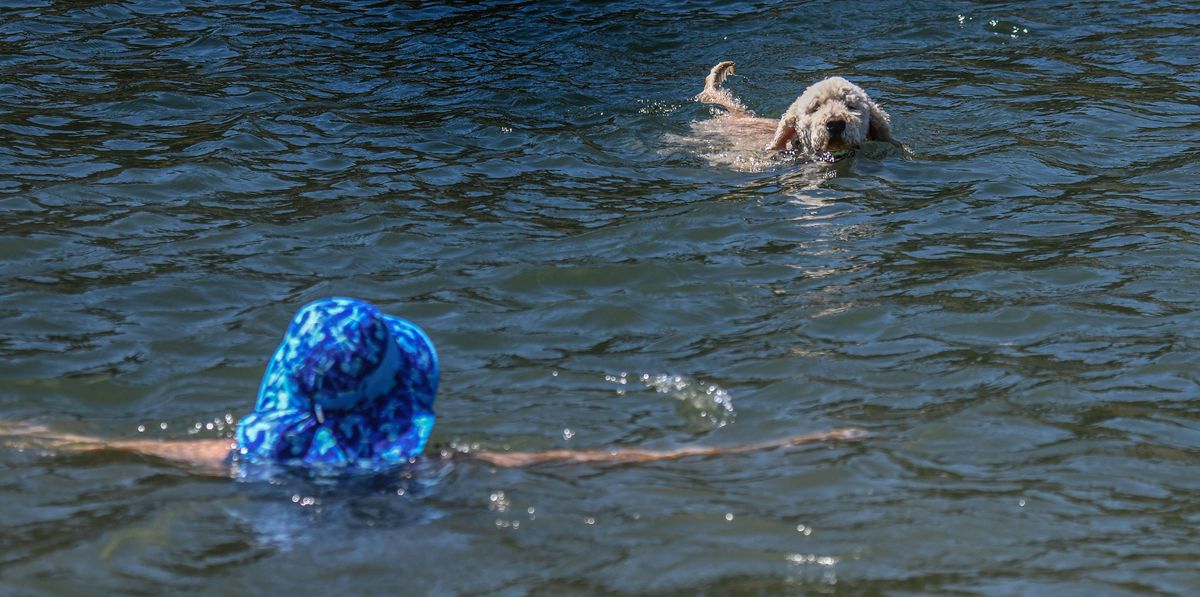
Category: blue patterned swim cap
[349,387]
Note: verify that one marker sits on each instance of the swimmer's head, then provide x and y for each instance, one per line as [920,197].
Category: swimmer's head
[347,387]
[340,358]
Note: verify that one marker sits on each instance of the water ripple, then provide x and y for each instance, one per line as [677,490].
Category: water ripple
[1010,310]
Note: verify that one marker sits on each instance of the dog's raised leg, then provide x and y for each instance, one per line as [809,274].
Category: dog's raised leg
[714,94]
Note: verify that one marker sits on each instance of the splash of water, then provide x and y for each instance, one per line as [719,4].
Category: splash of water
[704,405]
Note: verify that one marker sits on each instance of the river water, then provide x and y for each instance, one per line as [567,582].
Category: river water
[1011,310]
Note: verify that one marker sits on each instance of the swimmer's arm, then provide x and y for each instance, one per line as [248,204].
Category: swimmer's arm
[205,455]
[208,456]
[634,455]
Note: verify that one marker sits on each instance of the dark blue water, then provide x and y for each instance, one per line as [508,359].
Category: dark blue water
[1011,310]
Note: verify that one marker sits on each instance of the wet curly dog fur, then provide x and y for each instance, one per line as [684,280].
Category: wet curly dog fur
[832,115]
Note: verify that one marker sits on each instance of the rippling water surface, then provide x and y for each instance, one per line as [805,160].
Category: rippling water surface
[1011,310]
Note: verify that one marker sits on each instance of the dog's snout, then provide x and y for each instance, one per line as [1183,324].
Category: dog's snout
[835,127]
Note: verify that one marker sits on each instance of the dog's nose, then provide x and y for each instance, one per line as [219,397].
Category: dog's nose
[835,127]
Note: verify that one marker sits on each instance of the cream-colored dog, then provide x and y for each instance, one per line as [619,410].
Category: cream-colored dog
[831,116]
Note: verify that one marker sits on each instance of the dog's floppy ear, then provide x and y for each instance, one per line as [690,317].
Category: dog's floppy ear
[784,132]
[880,126]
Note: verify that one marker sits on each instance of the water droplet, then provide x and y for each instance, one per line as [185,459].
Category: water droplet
[729,516]
[498,502]
[589,520]
[799,559]
[568,434]
[141,428]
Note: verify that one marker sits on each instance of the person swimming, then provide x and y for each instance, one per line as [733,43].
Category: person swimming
[348,387]
[351,389]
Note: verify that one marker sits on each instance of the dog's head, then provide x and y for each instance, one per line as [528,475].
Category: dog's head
[834,115]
